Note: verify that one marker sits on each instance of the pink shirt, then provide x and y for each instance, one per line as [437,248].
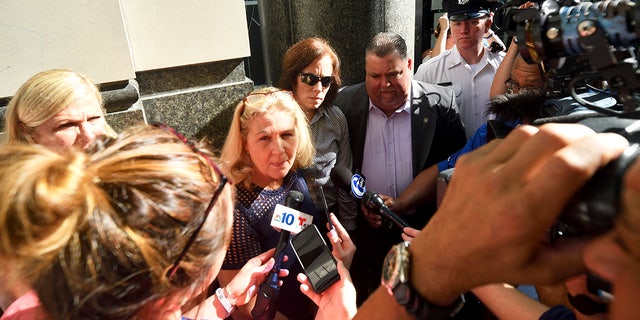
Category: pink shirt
[387,162]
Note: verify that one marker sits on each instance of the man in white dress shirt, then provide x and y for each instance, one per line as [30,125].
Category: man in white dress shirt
[468,67]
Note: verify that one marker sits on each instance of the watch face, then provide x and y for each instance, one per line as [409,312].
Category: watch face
[391,268]
[395,278]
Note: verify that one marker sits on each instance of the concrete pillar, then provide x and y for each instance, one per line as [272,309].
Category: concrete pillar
[347,25]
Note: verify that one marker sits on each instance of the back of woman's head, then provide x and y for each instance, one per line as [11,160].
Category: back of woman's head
[259,102]
[96,234]
[303,53]
[43,96]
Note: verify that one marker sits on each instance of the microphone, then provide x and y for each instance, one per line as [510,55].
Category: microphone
[373,201]
[289,219]
[355,184]
[279,219]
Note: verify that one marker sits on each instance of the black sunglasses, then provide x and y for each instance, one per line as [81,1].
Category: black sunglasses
[311,79]
[223,181]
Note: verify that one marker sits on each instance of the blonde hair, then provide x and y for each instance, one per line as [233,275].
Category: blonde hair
[259,102]
[95,234]
[42,97]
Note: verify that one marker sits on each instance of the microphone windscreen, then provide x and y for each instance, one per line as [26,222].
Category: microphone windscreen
[341,178]
[294,199]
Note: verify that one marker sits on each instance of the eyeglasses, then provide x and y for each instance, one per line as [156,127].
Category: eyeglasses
[515,87]
[221,184]
[311,79]
[512,85]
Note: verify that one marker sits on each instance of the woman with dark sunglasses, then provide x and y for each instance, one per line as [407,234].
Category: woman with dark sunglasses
[311,70]
[136,227]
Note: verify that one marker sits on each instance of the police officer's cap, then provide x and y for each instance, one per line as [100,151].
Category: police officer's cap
[459,10]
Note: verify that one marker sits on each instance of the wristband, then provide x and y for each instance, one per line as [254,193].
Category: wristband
[226,304]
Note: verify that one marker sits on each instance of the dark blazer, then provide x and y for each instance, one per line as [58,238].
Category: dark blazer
[436,128]
[436,133]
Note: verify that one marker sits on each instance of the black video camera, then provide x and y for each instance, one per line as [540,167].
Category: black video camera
[605,34]
[561,33]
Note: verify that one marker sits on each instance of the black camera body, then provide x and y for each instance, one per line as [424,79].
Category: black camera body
[601,39]
[557,33]
[593,210]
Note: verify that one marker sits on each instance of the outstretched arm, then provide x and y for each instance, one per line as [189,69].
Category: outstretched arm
[418,192]
[504,70]
[240,287]
[441,41]
[507,303]
[503,73]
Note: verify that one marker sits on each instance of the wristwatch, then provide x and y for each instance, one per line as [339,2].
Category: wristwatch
[396,278]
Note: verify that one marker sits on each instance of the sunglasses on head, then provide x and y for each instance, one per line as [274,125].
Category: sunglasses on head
[255,96]
[311,79]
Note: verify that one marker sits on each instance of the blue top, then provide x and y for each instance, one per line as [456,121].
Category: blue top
[477,140]
[253,234]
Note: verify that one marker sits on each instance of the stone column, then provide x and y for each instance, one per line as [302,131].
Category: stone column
[347,25]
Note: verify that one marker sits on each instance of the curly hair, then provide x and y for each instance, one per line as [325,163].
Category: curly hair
[95,233]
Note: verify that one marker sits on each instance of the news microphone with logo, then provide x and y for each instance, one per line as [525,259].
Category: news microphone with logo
[373,201]
[355,184]
[290,220]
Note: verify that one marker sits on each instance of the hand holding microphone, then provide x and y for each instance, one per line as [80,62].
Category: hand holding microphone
[354,183]
[289,219]
[374,202]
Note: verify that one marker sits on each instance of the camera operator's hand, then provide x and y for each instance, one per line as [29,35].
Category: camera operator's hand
[501,200]
[616,256]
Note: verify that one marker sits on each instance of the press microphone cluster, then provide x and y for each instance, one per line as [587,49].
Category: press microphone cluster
[355,184]
[289,219]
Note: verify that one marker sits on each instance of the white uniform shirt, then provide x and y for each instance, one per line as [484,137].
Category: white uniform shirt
[471,85]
